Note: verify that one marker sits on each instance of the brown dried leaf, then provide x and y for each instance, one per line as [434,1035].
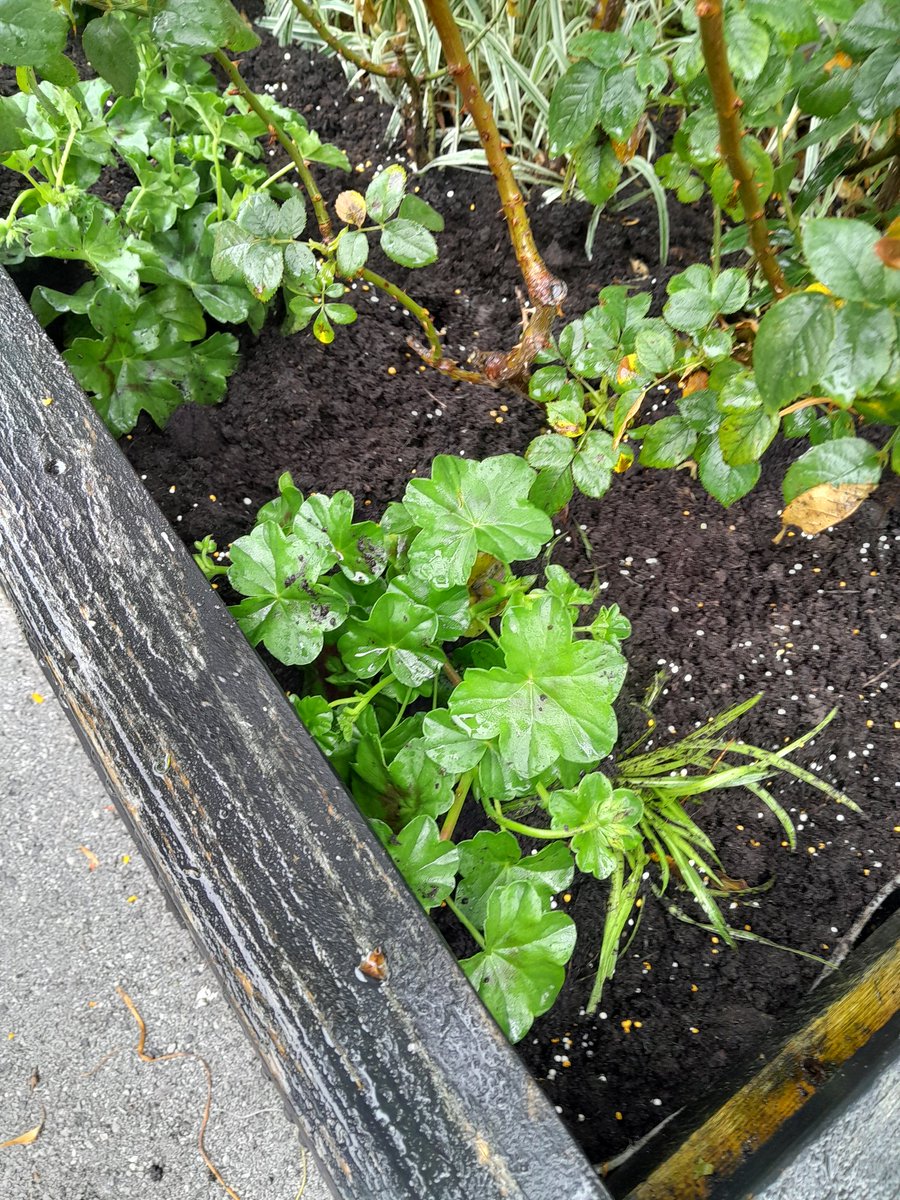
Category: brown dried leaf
[93,860]
[825,505]
[695,382]
[888,250]
[625,151]
[351,208]
[847,190]
[367,12]
[733,885]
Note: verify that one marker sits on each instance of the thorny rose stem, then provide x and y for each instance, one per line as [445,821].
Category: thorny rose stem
[421,314]
[544,289]
[309,14]
[728,106]
[287,142]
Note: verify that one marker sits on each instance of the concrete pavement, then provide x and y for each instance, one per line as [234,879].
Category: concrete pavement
[79,917]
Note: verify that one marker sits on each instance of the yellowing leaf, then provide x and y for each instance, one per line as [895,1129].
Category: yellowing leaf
[825,505]
[841,60]
[483,577]
[567,428]
[37,697]
[351,208]
[28,1138]
[625,151]
[626,370]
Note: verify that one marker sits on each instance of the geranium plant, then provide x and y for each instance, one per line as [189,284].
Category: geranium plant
[435,677]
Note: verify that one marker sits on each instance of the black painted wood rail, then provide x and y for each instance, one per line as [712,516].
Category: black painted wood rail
[405,1089]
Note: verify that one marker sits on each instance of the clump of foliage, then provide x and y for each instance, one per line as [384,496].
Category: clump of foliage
[518,54]
[824,355]
[835,345]
[205,234]
[818,98]
[578,90]
[804,340]
[808,346]
[434,676]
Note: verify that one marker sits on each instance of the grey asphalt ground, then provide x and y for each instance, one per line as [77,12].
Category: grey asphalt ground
[116,1128]
[855,1156]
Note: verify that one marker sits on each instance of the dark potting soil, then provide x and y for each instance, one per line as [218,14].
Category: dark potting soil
[713,602]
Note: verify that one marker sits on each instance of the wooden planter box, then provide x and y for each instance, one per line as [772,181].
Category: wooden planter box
[404,1087]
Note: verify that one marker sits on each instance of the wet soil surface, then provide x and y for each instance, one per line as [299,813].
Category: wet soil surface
[714,603]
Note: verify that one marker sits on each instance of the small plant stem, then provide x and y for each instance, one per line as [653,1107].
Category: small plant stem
[280,173]
[139,195]
[217,170]
[28,82]
[568,182]
[544,289]
[459,799]
[484,606]
[311,16]
[797,405]
[287,142]
[618,908]
[789,214]
[420,142]
[401,712]
[451,672]
[17,203]
[366,697]
[717,241]
[544,835]
[464,921]
[487,628]
[422,315]
[731,134]
[64,158]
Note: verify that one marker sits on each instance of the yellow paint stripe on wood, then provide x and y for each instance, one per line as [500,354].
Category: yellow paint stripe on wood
[759,1109]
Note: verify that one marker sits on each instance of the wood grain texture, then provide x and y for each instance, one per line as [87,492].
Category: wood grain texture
[406,1090]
